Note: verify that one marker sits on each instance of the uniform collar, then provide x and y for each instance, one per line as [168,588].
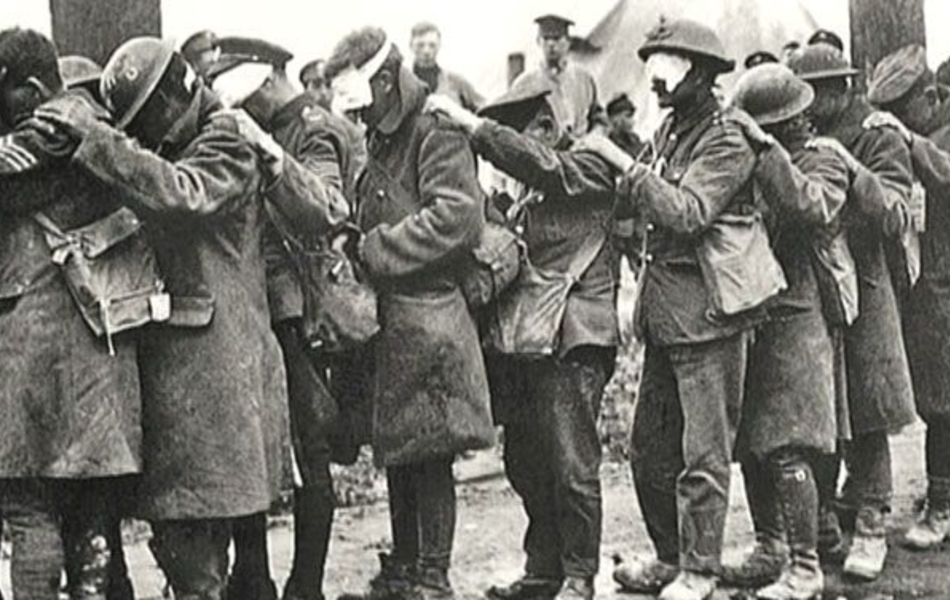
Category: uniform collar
[849,124]
[556,70]
[695,114]
[291,111]
[189,125]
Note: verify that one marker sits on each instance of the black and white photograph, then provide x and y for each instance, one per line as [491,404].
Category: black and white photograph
[494,300]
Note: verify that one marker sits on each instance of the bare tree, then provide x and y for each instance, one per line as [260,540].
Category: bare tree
[94,28]
[879,27]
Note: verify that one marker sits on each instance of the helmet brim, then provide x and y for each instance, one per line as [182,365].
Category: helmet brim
[790,111]
[841,73]
[721,64]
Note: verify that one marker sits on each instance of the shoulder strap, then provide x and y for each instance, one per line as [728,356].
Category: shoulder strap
[48,225]
[587,253]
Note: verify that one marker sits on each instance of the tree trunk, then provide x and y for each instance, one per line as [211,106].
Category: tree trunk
[879,27]
[94,28]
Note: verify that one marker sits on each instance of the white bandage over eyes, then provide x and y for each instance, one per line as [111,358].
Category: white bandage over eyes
[669,68]
[351,88]
[237,85]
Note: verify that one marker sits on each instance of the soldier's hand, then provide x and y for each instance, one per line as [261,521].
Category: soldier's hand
[72,114]
[880,119]
[437,103]
[262,142]
[829,143]
[597,143]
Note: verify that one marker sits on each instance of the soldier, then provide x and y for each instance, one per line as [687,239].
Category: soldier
[573,90]
[696,358]
[314,81]
[425,43]
[550,407]
[789,411]
[830,38]
[422,211]
[905,87]
[71,431]
[213,384]
[759,57]
[310,158]
[620,113]
[880,398]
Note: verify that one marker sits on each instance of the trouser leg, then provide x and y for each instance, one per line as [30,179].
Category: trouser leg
[869,483]
[435,502]
[656,452]
[194,556]
[403,513]
[88,535]
[710,381]
[250,575]
[313,521]
[937,451]
[529,472]
[797,493]
[567,401]
[763,503]
[35,529]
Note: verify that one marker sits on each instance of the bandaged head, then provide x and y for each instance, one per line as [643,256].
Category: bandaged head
[238,84]
[351,88]
[667,67]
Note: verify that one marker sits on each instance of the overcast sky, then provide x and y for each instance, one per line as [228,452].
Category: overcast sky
[476,34]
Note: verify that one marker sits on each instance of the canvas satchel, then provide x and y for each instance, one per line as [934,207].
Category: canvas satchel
[111,272]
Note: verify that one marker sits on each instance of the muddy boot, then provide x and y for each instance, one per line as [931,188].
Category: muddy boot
[313,521]
[869,547]
[395,581]
[769,556]
[645,578]
[690,586]
[433,584]
[527,588]
[577,588]
[934,526]
[802,579]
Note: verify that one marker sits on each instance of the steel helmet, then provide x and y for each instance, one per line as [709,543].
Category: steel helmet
[687,37]
[78,70]
[771,93]
[132,74]
[821,61]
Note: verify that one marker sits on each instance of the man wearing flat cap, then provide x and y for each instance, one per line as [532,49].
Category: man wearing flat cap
[620,113]
[309,157]
[904,87]
[697,354]
[549,407]
[573,90]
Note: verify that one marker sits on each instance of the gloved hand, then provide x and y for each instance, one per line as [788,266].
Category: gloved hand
[880,119]
[263,143]
[437,103]
[597,143]
[73,114]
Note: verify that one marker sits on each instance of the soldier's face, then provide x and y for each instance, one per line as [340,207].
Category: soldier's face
[919,112]
[554,47]
[543,127]
[19,101]
[831,99]
[425,48]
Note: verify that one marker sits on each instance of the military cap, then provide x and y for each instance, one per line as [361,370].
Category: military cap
[824,36]
[237,51]
[553,25]
[897,73]
[771,93]
[199,42]
[759,57]
[686,37]
[619,104]
[821,61]
[78,70]
[516,107]
[312,71]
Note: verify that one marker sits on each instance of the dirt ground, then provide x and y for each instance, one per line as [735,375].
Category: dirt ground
[491,524]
